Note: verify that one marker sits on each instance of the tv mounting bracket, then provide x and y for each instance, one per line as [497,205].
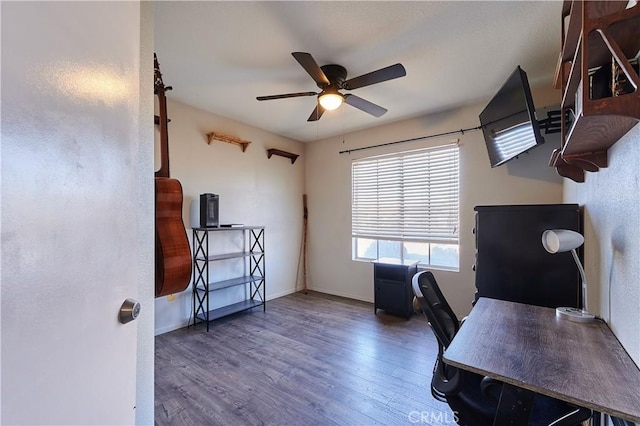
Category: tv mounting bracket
[553,122]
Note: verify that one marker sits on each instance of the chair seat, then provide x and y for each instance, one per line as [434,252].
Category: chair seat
[473,408]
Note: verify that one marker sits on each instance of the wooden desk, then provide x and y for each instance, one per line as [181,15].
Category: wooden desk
[526,346]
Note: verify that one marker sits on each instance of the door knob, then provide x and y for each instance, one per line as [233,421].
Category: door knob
[129,311]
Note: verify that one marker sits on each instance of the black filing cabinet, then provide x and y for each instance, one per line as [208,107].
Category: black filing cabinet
[512,264]
[392,286]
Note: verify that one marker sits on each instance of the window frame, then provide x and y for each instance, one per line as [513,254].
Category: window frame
[430,193]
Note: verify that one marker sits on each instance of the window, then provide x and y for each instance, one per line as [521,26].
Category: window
[405,206]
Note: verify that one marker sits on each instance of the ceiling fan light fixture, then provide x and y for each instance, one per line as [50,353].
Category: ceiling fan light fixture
[330,100]
[332,78]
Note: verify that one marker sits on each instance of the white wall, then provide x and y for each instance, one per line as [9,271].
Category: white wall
[611,200]
[253,189]
[527,180]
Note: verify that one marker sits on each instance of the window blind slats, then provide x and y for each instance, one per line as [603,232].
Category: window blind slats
[407,196]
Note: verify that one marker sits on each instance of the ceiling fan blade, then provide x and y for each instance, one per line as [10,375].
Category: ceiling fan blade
[311,66]
[316,114]
[286,95]
[378,76]
[364,105]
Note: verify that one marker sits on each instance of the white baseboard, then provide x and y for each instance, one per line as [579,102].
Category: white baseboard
[281,294]
[339,293]
[185,322]
[171,327]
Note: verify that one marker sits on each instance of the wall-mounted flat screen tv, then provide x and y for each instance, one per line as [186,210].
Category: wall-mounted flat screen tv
[509,121]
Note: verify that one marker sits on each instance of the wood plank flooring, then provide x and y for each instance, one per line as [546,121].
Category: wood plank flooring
[311,359]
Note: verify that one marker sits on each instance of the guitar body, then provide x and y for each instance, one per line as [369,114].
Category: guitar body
[173,255]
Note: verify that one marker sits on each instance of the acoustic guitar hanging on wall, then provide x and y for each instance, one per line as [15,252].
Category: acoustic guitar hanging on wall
[173,255]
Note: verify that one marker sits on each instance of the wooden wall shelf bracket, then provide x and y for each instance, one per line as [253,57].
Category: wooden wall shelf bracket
[591,161]
[291,156]
[156,120]
[565,169]
[243,144]
[574,166]
[569,171]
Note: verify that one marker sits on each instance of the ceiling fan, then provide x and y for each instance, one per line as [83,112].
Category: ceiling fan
[332,78]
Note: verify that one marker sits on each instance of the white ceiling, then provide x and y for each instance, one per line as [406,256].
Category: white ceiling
[219,56]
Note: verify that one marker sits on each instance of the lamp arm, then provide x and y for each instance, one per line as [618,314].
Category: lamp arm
[584,280]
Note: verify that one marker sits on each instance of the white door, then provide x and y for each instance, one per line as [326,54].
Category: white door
[71,193]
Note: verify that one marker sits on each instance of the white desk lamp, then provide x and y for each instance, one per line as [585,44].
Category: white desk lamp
[558,241]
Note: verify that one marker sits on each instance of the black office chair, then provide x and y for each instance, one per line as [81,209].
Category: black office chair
[472,397]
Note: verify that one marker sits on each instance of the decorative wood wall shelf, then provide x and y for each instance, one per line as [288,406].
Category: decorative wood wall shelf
[281,153]
[595,35]
[243,144]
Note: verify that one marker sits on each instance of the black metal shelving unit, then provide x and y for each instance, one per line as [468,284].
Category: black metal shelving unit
[204,283]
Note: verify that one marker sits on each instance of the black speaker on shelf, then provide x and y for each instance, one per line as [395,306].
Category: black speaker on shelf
[209,204]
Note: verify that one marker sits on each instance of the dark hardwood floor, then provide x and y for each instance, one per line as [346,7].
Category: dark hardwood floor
[311,359]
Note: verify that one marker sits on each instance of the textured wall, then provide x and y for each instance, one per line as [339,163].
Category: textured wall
[611,200]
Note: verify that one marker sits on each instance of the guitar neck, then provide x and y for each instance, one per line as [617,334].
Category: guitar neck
[160,89]
[163,171]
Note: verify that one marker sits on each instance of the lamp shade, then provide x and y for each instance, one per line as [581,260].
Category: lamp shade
[330,100]
[561,240]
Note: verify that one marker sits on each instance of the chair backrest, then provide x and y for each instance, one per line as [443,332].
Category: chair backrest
[446,380]
[443,320]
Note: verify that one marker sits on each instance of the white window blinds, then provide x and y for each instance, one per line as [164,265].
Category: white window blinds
[407,196]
